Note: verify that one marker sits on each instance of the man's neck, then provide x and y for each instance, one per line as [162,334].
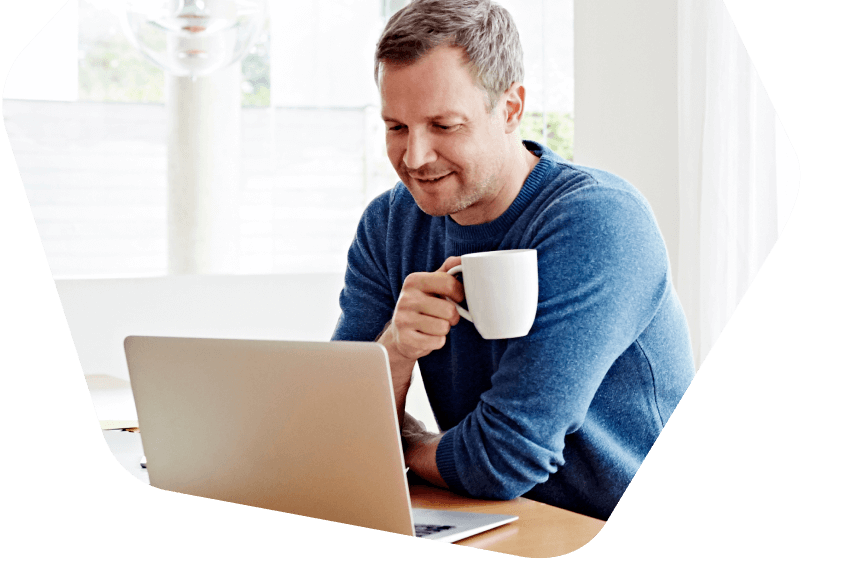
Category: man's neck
[521,163]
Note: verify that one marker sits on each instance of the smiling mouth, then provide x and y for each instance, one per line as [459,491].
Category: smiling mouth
[431,179]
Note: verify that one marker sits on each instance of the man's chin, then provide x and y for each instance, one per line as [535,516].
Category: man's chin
[442,212]
[432,211]
[434,205]
[428,204]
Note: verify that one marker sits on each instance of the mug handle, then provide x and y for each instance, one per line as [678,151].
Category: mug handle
[463,312]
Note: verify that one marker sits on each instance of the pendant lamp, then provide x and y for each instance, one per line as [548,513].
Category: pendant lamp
[193,37]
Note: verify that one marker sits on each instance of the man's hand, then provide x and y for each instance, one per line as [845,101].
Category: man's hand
[422,316]
[414,431]
[420,323]
[420,450]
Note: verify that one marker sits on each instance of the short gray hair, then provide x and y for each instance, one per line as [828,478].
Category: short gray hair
[482,28]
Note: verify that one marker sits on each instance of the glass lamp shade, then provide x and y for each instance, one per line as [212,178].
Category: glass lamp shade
[193,37]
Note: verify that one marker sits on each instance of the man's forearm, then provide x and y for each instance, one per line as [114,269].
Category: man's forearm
[420,450]
[401,370]
[421,457]
[420,323]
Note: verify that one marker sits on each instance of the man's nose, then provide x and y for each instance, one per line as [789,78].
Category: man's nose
[420,150]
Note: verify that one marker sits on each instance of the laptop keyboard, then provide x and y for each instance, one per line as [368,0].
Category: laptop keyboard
[423,530]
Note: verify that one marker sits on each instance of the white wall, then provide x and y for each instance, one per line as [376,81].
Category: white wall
[102,312]
[298,307]
[626,107]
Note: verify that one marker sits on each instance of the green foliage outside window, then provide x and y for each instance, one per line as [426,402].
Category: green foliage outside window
[110,69]
[256,73]
[560,130]
[114,71]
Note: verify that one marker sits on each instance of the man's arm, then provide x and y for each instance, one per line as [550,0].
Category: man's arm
[421,320]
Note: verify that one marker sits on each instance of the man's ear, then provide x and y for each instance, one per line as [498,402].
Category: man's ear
[514,106]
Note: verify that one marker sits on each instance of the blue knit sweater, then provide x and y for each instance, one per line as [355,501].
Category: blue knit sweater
[566,414]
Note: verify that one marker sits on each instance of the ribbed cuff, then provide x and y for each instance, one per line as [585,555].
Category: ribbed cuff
[446,463]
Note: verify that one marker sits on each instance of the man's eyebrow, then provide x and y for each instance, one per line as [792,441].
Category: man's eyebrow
[442,117]
[454,116]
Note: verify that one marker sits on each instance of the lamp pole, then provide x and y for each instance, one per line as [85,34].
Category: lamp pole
[204,158]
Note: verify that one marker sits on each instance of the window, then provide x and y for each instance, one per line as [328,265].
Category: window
[93,155]
[546,30]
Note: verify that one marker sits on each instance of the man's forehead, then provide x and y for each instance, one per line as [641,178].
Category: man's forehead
[413,108]
[432,105]
[441,81]
[408,109]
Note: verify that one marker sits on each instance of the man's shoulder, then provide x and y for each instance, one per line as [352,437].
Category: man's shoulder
[570,187]
[563,177]
[578,203]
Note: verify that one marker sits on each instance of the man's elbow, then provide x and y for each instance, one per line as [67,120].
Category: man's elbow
[499,488]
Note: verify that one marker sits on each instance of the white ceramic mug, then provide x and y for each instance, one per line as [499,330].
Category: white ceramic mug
[501,291]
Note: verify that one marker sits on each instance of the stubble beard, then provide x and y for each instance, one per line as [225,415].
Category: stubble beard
[463,198]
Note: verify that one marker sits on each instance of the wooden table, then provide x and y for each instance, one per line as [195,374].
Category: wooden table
[542,531]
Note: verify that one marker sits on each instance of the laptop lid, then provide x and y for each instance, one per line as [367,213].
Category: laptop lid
[299,427]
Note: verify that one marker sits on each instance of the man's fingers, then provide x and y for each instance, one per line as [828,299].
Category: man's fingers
[436,284]
[413,344]
[456,294]
[427,323]
[423,316]
[448,264]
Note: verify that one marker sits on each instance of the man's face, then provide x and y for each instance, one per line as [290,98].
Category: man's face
[445,146]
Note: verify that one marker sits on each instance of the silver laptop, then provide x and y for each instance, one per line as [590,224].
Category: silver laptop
[305,428]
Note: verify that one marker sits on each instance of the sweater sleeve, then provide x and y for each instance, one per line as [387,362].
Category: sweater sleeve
[603,271]
[366,300]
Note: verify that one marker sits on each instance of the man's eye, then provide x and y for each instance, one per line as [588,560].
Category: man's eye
[447,128]
[395,128]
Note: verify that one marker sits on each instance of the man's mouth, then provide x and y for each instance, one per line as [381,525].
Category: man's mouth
[431,179]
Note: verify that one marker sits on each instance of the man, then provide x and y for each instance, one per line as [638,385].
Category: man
[566,414]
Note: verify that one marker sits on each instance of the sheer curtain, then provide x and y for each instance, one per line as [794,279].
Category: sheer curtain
[729,216]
